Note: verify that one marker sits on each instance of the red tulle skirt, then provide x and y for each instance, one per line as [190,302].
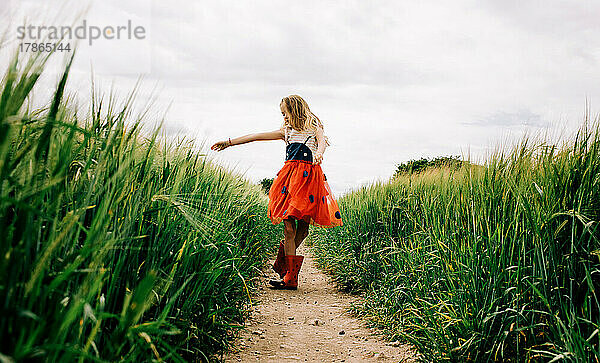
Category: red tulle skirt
[300,191]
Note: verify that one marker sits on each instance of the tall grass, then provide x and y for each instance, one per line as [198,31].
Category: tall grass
[485,263]
[115,245]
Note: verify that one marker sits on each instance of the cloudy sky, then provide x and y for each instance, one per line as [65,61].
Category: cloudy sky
[392,81]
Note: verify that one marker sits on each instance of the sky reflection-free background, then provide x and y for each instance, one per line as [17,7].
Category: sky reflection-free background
[391,80]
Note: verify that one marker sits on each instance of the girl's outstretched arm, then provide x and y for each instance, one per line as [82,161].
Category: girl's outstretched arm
[271,135]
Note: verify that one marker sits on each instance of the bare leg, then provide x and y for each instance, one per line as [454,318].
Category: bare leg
[294,235]
[301,232]
[289,231]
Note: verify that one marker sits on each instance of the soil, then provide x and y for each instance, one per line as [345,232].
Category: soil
[311,324]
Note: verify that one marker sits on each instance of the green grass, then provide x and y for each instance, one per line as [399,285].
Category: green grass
[115,245]
[482,263]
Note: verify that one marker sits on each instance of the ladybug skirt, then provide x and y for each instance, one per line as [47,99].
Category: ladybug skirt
[301,191]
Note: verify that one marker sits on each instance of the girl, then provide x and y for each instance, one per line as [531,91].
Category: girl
[300,194]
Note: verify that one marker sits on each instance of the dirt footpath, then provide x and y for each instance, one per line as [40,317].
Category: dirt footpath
[311,324]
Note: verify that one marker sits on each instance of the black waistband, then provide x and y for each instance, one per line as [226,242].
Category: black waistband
[298,151]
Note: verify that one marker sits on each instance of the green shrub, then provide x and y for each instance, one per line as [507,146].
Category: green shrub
[420,165]
[266,183]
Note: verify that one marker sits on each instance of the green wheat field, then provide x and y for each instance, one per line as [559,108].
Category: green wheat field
[119,245]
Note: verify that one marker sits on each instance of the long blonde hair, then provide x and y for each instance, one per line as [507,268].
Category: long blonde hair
[301,117]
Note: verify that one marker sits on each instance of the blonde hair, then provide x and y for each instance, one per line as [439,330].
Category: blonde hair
[301,117]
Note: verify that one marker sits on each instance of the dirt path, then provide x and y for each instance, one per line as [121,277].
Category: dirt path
[311,325]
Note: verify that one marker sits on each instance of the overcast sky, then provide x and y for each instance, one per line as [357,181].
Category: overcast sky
[391,80]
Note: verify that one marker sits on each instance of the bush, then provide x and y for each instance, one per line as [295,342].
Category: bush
[266,184]
[420,165]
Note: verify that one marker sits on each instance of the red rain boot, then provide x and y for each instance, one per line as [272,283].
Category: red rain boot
[279,265]
[290,280]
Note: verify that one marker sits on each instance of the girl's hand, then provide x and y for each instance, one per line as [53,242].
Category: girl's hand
[221,145]
[318,159]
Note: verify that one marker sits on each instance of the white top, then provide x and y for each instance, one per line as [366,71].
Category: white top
[292,135]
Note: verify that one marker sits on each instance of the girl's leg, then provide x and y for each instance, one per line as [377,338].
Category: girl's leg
[292,262]
[289,231]
[301,232]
